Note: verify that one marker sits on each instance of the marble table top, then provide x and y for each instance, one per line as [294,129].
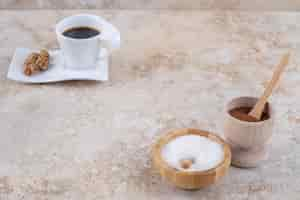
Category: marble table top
[254,5]
[89,140]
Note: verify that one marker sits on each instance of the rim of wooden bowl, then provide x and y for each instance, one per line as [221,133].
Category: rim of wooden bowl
[161,164]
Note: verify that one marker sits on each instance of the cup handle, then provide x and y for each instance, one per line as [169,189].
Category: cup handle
[111,42]
[106,44]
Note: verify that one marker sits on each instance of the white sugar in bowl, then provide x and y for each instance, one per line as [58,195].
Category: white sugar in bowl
[191,158]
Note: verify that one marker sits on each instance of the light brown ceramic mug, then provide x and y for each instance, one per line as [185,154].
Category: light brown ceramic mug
[248,140]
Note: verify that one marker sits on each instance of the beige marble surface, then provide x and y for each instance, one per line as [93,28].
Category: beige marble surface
[292,5]
[87,140]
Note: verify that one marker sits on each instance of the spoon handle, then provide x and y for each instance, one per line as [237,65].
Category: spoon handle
[257,110]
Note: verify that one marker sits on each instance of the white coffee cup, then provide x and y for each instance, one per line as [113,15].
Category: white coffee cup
[82,53]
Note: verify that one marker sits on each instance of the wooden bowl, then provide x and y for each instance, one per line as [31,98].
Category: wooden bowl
[190,179]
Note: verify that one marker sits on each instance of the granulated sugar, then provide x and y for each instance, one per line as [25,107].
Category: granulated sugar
[193,153]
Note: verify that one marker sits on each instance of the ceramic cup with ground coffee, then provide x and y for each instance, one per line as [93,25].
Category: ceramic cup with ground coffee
[81,39]
[248,140]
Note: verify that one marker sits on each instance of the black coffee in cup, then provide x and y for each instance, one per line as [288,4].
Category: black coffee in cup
[81,32]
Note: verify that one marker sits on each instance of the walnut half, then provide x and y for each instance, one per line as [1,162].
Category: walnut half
[36,62]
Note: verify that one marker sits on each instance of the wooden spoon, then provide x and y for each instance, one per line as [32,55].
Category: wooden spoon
[257,110]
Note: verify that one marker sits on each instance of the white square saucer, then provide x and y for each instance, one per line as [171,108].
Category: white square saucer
[57,71]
